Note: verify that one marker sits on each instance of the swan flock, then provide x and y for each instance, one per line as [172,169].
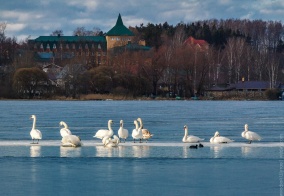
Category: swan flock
[139,133]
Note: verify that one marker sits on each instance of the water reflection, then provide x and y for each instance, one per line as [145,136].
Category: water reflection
[246,150]
[216,150]
[140,151]
[102,151]
[70,152]
[122,151]
[35,151]
[185,152]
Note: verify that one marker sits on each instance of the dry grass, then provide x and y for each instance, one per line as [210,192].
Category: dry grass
[100,97]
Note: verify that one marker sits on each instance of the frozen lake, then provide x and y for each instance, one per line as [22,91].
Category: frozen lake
[163,166]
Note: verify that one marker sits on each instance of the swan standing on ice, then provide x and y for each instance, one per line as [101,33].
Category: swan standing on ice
[105,132]
[220,139]
[35,133]
[137,133]
[190,138]
[145,132]
[250,135]
[110,142]
[65,130]
[71,141]
[122,133]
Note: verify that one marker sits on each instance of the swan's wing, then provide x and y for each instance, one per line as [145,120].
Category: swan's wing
[115,139]
[101,133]
[106,140]
[193,139]
[145,131]
[36,134]
[125,132]
[119,132]
[222,139]
[252,136]
[72,140]
[64,132]
[134,133]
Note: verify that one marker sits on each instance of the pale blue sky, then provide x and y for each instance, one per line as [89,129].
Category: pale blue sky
[41,17]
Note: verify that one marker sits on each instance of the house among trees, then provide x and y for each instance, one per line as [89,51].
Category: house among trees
[248,89]
[198,43]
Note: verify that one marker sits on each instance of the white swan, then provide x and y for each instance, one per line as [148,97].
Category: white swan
[65,130]
[190,138]
[145,132]
[105,132]
[220,139]
[250,135]
[35,133]
[137,133]
[122,133]
[71,141]
[110,142]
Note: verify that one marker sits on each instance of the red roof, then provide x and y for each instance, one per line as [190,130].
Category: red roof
[199,42]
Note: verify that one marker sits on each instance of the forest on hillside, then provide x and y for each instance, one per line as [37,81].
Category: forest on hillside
[238,50]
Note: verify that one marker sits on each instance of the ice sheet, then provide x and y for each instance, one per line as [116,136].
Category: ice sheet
[162,144]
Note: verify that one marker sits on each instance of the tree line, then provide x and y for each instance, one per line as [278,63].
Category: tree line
[238,50]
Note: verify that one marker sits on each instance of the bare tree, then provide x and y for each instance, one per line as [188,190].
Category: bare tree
[230,49]
[272,69]
[239,54]
[57,32]
[82,31]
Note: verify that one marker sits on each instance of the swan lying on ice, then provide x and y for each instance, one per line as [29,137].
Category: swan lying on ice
[250,135]
[110,142]
[190,138]
[220,139]
[71,141]
[65,130]
[122,133]
[35,133]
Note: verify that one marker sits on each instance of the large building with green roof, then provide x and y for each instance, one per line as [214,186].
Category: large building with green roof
[93,48]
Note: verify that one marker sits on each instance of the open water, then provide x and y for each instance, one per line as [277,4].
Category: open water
[162,166]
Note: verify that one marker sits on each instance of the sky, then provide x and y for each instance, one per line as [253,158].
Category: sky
[35,18]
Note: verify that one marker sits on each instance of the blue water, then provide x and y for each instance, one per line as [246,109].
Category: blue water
[163,166]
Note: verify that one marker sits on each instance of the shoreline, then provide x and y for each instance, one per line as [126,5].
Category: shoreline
[111,97]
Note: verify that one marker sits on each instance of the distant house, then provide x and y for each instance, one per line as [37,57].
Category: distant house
[69,73]
[52,72]
[252,86]
[198,43]
[247,88]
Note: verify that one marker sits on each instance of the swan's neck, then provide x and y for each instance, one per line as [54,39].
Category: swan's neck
[185,132]
[246,129]
[65,125]
[141,124]
[109,127]
[34,123]
[136,126]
